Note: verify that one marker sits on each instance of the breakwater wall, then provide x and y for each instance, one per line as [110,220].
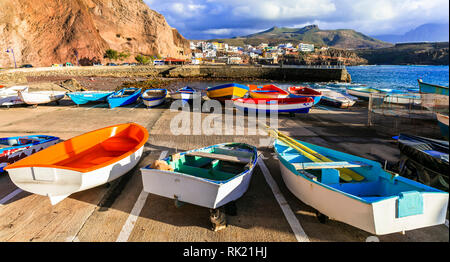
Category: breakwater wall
[287,73]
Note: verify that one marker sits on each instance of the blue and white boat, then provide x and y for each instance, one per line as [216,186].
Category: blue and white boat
[84,97]
[185,94]
[13,149]
[154,97]
[124,97]
[377,201]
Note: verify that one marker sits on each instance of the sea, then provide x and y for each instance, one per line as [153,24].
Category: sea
[400,77]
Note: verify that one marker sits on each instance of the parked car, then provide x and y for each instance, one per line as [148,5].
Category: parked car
[97,64]
[26,66]
[68,64]
[133,64]
[111,64]
[125,64]
[56,65]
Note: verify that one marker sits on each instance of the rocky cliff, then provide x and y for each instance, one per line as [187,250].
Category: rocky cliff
[53,31]
[330,56]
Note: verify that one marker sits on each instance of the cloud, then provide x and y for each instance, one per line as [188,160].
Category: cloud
[203,19]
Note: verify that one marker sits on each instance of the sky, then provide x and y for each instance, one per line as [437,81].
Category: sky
[207,19]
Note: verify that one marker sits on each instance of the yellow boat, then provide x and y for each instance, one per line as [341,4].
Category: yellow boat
[227,91]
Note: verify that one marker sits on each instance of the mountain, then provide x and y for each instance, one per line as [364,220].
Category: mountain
[423,33]
[341,38]
[52,31]
[408,54]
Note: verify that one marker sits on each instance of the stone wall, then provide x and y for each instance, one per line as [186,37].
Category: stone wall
[231,72]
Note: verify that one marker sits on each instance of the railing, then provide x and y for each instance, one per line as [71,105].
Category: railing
[307,66]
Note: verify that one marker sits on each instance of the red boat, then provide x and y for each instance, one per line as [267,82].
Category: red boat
[303,91]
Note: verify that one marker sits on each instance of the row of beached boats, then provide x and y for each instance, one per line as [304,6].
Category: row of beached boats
[347,188]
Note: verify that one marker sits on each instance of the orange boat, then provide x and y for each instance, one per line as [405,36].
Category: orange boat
[268,91]
[80,163]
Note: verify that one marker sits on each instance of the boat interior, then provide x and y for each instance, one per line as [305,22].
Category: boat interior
[89,151]
[18,141]
[125,92]
[219,163]
[376,185]
[154,93]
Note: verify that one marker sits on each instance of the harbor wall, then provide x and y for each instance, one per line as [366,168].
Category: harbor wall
[310,74]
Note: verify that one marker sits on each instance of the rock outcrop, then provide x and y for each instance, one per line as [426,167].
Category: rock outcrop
[54,31]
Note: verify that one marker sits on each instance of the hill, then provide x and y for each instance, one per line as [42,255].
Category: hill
[408,54]
[341,38]
[52,31]
[425,32]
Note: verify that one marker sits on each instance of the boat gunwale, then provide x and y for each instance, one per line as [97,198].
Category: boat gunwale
[141,144]
[154,98]
[49,139]
[365,201]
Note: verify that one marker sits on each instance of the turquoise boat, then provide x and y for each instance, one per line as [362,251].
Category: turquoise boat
[85,97]
[426,88]
[124,97]
[377,201]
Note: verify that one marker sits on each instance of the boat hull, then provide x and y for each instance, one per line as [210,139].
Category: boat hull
[194,190]
[267,107]
[359,204]
[10,96]
[227,92]
[42,97]
[58,183]
[443,122]
[378,218]
[80,98]
[123,101]
[154,103]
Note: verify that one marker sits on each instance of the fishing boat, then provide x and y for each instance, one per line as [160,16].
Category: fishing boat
[443,124]
[268,91]
[154,97]
[80,163]
[434,97]
[209,177]
[303,91]
[9,96]
[15,148]
[185,94]
[374,200]
[85,97]
[41,97]
[364,92]
[424,160]
[427,88]
[274,105]
[336,99]
[393,96]
[124,97]
[227,91]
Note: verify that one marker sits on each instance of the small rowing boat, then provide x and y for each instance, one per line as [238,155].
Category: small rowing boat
[427,88]
[303,91]
[336,99]
[85,97]
[424,160]
[434,97]
[185,94]
[227,91]
[41,97]
[9,96]
[124,97]
[209,177]
[154,97]
[379,203]
[274,105]
[13,149]
[268,91]
[80,163]
[363,92]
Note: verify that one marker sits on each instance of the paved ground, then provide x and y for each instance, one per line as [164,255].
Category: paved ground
[122,211]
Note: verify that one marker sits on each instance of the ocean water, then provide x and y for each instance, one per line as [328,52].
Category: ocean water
[384,76]
[398,77]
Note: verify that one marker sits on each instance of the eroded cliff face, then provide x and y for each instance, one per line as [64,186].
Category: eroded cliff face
[52,31]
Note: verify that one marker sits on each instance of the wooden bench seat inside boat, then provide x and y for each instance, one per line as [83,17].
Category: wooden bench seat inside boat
[328,165]
[222,157]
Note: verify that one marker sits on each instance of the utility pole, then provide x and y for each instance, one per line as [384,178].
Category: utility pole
[9,50]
